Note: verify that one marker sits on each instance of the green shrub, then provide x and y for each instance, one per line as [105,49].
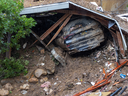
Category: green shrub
[12,67]
[11,22]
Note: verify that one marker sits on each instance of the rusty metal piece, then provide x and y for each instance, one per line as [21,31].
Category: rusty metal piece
[114,93]
[43,36]
[120,44]
[90,89]
[40,40]
[65,22]
[120,81]
[96,86]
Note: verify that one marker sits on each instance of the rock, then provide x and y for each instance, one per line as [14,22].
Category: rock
[51,71]
[24,92]
[44,79]
[24,87]
[33,80]
[4,92]
[46,84]
[39,72]
[46,89]
[5,81]
[8,86]
[30,73]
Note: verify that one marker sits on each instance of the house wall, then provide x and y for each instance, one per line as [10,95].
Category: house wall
[97,1]
[112,5]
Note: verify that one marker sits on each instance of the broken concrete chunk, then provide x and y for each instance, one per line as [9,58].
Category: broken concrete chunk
[24,87]
[4,92]
[39,72]
[33,80]
[57,53]
[8,86]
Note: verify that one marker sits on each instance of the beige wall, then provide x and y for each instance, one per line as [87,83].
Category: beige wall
[112,5]
[97,1]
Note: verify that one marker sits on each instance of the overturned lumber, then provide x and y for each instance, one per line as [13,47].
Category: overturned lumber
[65,22]
[43,36]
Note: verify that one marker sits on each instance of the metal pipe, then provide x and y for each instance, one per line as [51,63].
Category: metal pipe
[122,90]
[114,93]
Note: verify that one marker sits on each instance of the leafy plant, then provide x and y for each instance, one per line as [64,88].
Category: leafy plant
[11,22]
[12,67]
[55,61]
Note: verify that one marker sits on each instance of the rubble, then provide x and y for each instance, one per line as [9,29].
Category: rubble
[47,66]
[57,53]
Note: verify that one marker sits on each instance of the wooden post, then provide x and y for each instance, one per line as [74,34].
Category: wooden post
[8,53]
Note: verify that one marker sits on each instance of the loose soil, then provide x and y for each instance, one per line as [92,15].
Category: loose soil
[84,67]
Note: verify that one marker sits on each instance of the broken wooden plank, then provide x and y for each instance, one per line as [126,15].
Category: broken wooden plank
[58,31]
[122,51]
[37,37]
[43,36]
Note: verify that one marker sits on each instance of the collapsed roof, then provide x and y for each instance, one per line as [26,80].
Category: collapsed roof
[75,9]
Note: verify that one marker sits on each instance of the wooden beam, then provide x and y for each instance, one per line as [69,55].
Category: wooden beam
[37,37]
[122,51]
[58,31]
[43,36]
[85,13]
